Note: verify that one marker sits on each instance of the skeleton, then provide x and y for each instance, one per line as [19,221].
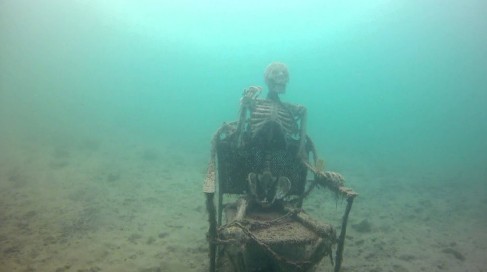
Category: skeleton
[269,124]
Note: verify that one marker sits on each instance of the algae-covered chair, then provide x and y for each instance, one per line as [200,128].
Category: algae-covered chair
[263,160]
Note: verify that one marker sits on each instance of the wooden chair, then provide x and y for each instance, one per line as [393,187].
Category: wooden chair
[275,237]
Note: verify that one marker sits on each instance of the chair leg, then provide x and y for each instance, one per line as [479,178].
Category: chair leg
[210,206]
[341,238]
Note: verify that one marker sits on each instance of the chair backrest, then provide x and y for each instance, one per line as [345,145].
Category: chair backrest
[235,164]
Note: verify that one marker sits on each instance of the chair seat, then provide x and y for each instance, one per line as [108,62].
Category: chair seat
[275,239]
[272,231]
[279,227]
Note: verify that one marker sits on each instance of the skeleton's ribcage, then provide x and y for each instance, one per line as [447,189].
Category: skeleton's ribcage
[266,111]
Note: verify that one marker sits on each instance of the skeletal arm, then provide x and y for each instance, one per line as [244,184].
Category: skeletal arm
[247,103]
[300,114]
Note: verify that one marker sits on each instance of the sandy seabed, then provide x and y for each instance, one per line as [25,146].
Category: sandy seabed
[100,205]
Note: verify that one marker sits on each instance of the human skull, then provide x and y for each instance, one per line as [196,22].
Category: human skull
[276,77]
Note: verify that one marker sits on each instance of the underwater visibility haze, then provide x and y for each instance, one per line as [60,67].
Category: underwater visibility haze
[107,109]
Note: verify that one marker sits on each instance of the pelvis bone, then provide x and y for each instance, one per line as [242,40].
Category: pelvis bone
[266,188]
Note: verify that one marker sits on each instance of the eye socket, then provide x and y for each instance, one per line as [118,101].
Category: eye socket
[279,72]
